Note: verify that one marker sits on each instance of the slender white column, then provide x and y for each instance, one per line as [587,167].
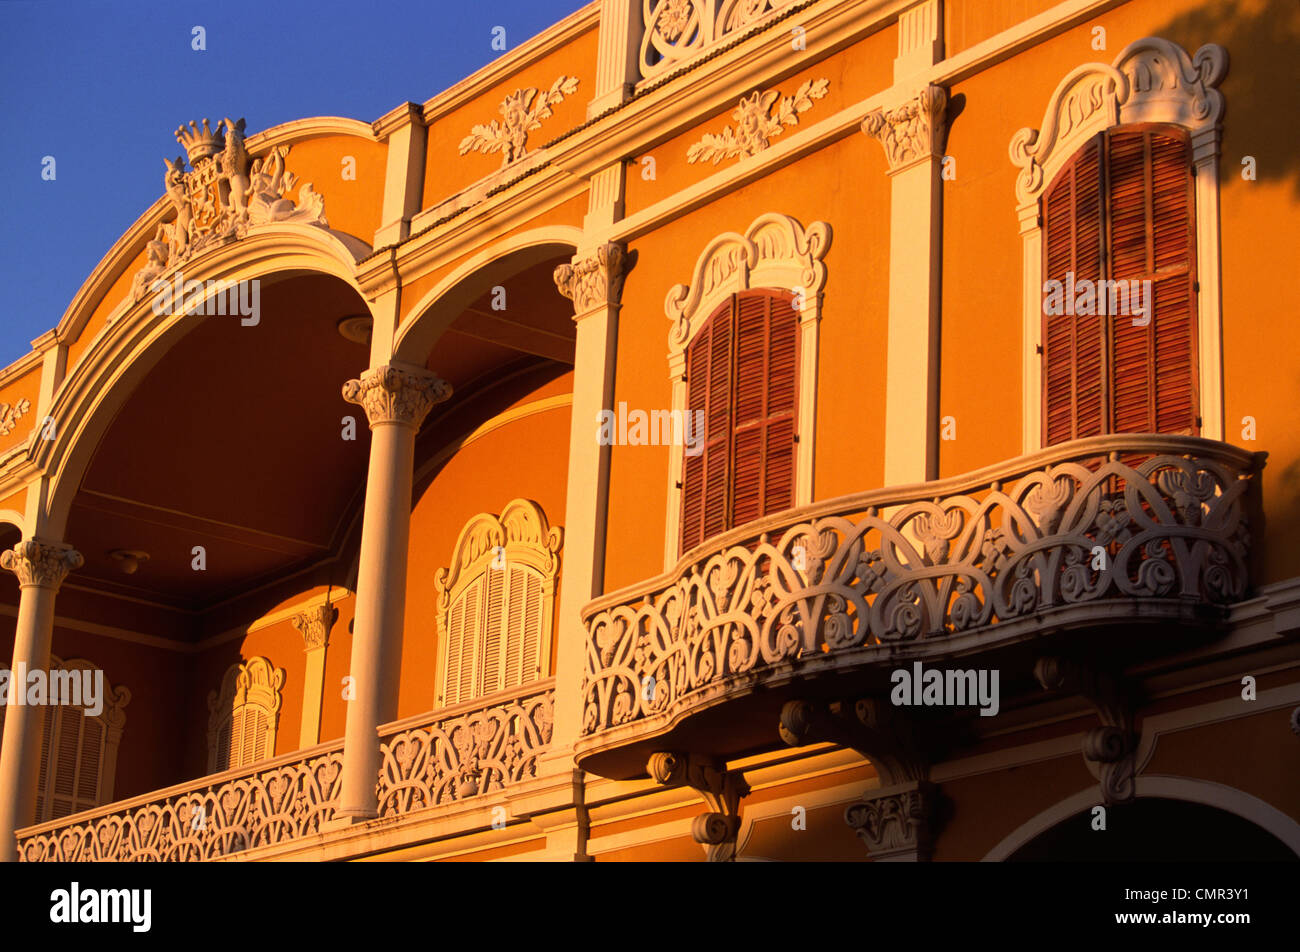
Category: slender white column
[594,282]
[41,568]
[396,400]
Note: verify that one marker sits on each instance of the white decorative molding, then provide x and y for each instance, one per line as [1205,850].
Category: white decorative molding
[774,252]
[1152,80]
[10,414]
[912,131]
[314,625]
[521,112]
[594,281]
[225,192]
[253,685]
[759,118]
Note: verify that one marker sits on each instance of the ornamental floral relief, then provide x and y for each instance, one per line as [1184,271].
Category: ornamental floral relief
[11,413]
[759,118]
[521,112]
[224,193]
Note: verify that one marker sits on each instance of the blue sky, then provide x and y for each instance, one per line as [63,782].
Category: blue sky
[102,86]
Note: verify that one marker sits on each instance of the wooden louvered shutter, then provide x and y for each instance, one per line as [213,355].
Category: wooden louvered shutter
[523,634]
[697,403]
[48,761]
[1152,238]
[742,372]
[531,663]
[491,636]
[1074,351]
[63,784]
[462,639]
[782,399]
[90,762]
[717,451]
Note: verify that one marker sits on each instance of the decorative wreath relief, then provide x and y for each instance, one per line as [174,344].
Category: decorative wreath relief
[522,112]
[10,414]
[759,118]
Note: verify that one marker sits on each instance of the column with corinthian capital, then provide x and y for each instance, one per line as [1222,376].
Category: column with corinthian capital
[396,400]
[41,568]
[594,282]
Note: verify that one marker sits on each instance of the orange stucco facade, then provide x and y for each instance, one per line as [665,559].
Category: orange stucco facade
[239,519]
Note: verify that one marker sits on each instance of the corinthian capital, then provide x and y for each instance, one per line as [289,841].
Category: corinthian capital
[397,395]
[41,563]
[314,625]
[594,281]
[913,131]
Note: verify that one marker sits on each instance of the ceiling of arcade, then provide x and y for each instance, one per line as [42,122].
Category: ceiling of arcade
[233,441]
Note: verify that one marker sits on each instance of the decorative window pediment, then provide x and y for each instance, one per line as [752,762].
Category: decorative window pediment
[243,717]
[497,601]
[1152,80]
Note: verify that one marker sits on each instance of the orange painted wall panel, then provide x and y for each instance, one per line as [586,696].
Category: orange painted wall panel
[354,206]
[524,458]
[844,184]
[854,74]
[447,172]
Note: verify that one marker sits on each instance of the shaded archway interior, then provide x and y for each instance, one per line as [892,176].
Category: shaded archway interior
[1155,830]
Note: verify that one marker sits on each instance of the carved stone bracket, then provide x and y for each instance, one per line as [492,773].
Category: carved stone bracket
[1112,748]
[896,822]
[596,280]
[397,395]
[722,790]
[314,625]
[45,564]
[914,131]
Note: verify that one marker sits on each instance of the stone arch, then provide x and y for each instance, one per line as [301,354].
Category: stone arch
[136,339]
[436,310]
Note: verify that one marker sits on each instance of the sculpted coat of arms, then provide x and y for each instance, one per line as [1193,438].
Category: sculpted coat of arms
[225,192]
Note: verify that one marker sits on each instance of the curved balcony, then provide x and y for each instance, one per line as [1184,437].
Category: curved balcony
[1102,533]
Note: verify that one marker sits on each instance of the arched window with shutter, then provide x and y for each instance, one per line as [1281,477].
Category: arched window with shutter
[1122,210]
[742,376]
[743,350]
[1120,182]
[78,748]
[243,715]
[497,603]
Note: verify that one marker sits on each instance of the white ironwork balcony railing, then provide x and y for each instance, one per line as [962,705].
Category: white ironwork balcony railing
[679,30]
[464,751]
[428,761]
[1116,527]
[270,802]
